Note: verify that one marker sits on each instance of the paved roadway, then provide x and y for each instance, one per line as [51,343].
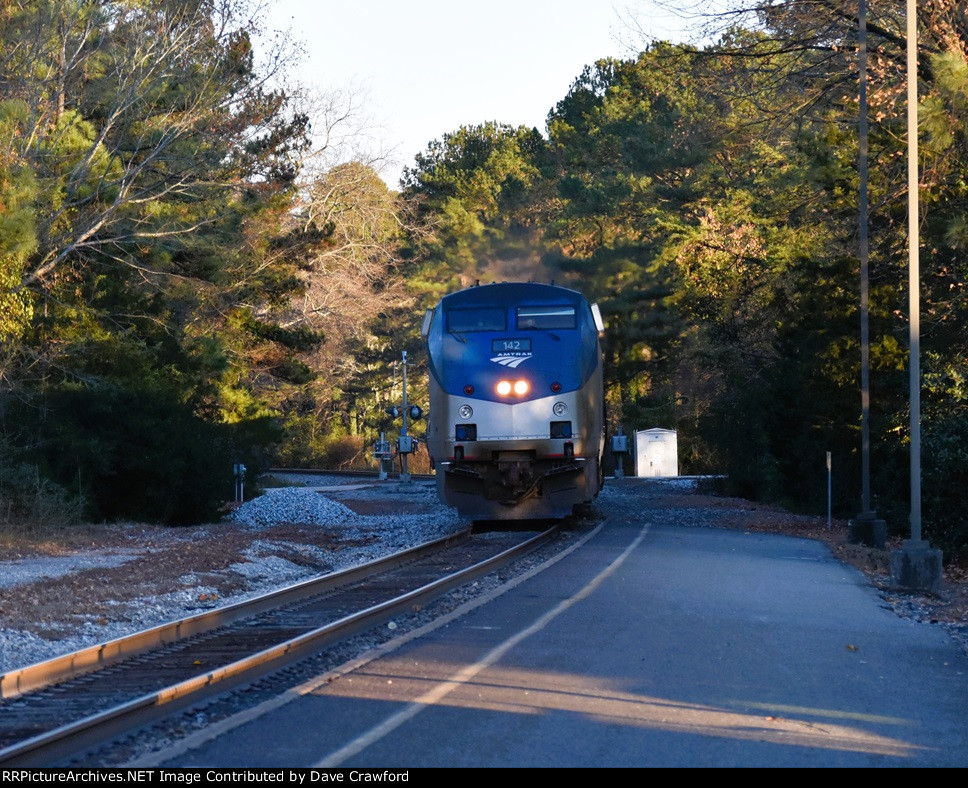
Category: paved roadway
[652,645]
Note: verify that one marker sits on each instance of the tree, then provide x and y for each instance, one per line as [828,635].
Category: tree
[18,236]
[350,232]
[147,164]
[150,140]
[486,186]
[626,138]
[119,94]
[795,66]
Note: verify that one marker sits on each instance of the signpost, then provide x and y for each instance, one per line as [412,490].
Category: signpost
[829,490]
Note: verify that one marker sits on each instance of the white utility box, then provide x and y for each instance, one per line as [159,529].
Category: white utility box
[656,453]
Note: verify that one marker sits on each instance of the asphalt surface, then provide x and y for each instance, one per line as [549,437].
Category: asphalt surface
[650,645]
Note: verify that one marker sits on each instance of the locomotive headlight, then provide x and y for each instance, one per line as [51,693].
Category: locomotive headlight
[465,411]
[559,409]
[519,387]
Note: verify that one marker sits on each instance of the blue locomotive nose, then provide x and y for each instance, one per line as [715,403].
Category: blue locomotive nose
[512,351]
[547,367]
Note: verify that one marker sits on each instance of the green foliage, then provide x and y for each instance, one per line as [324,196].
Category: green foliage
[31,502]
[145,175]
[308,446]
[945,487]
[135,453]
[485,186]
[18,231]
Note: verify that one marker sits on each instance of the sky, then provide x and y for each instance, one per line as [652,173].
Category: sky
[427,67]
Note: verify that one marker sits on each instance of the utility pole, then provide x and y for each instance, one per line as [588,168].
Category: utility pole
[914,269]
[916,566]
[865,528]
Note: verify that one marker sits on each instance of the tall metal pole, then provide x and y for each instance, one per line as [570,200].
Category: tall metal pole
[865,528]
[916,565]
[865,397]
[914,268]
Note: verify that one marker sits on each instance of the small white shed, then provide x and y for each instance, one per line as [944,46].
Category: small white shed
[656,453]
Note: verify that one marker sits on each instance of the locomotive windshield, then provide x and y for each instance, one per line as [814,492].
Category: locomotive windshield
[477,319]
[546,317]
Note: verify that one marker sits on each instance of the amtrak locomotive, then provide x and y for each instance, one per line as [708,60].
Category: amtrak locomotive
[515,429]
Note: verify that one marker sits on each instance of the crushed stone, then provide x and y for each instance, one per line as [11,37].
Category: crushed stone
[346,539]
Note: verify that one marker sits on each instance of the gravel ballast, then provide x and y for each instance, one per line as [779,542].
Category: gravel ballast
[344,538]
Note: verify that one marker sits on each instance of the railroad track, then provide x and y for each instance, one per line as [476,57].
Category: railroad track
[60,708]
[361,473]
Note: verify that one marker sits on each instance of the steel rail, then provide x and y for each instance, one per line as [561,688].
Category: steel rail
[67,666]
[360,472]
[58,745]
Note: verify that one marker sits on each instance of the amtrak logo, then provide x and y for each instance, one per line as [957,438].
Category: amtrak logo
[511,361]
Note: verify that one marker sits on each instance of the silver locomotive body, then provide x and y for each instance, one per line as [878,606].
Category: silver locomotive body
[515,428]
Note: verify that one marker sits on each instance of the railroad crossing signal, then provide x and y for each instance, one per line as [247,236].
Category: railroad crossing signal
[414,411]
[406,444]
